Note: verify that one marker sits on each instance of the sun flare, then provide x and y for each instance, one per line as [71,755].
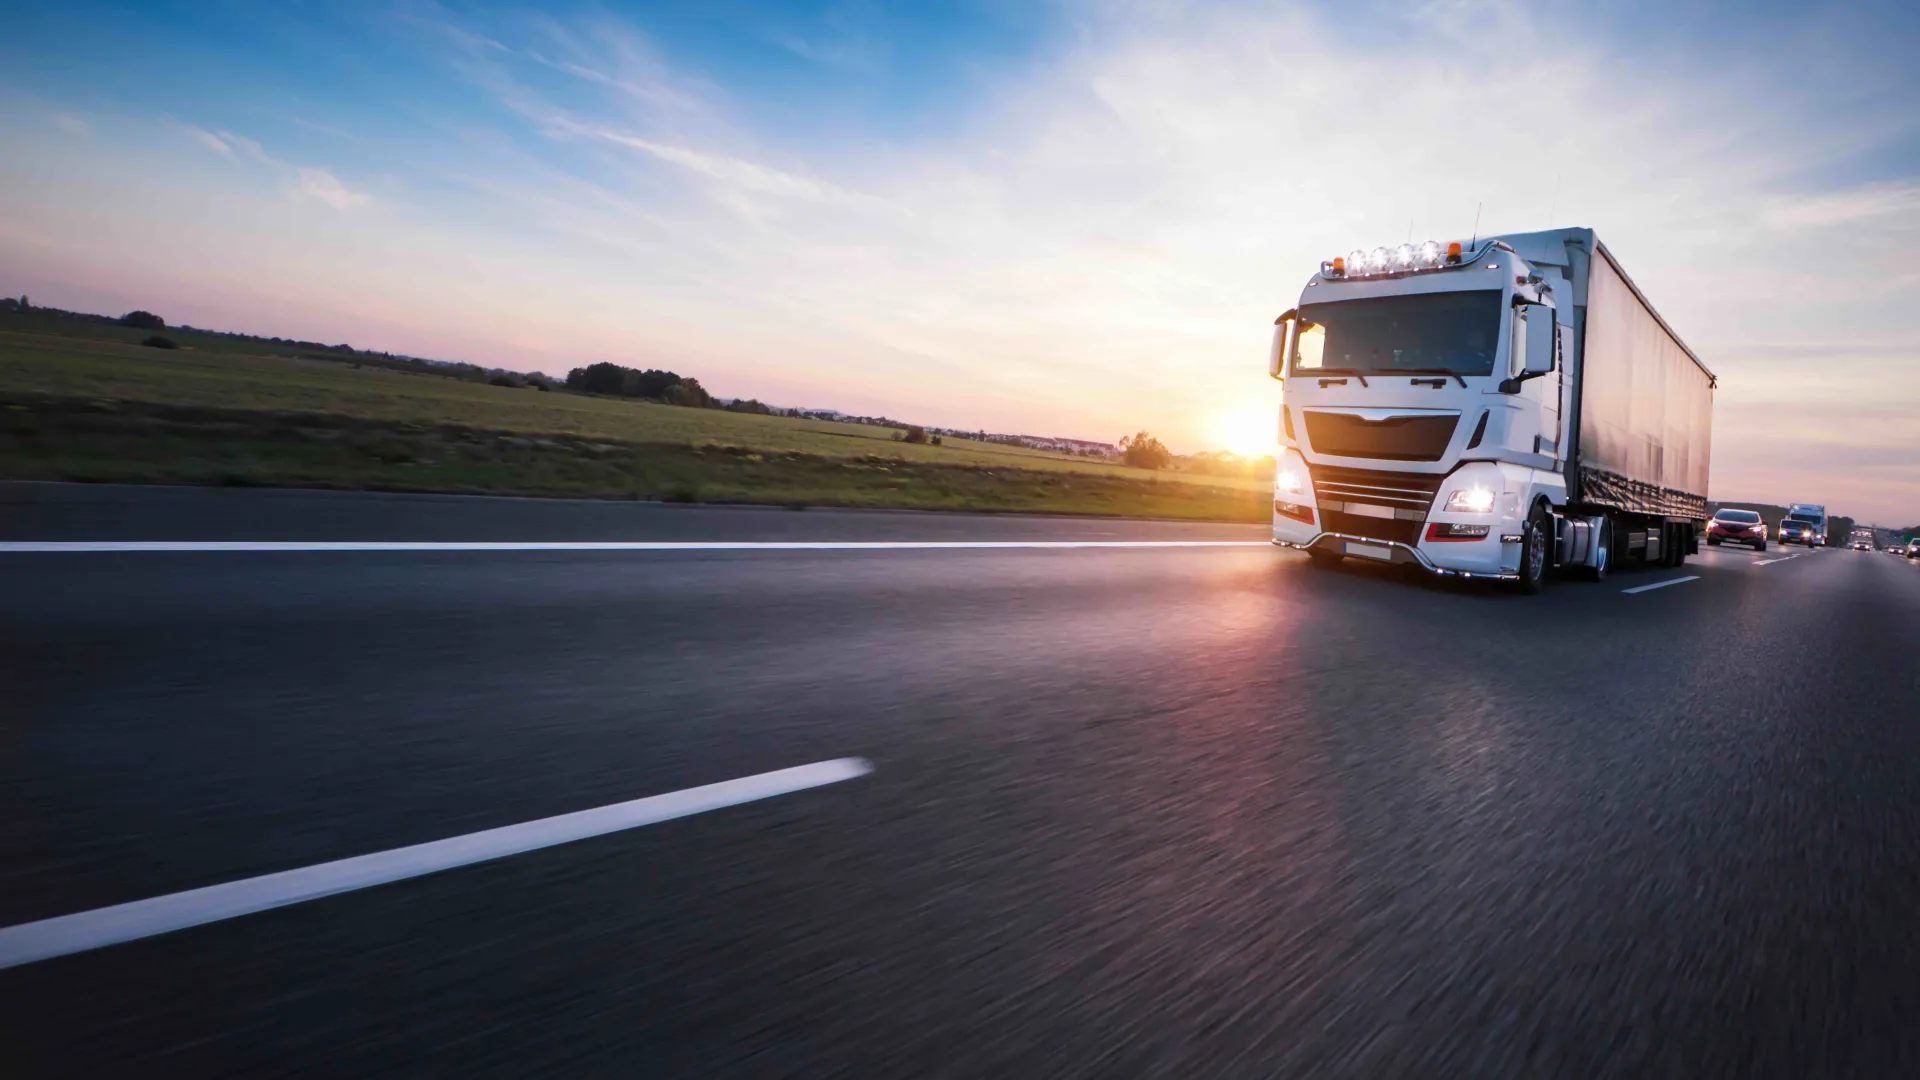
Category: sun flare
[1249,431]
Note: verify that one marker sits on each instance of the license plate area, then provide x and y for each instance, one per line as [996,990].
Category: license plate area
[1370,551]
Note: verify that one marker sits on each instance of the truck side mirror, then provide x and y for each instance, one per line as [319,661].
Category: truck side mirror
[1277,351]
[1517,343]
[1535,349]
[1544,354]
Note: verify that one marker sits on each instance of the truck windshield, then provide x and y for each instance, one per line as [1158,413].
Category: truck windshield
[1811,519]
[1454,332]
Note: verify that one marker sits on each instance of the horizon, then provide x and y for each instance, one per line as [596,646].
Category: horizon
[975,215]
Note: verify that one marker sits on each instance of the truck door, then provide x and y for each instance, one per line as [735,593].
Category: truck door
[1548,390]
[1534,420]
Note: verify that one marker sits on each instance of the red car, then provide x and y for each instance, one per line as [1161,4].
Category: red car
[1737,527]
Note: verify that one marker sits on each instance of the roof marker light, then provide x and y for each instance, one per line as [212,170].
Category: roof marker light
[1400,259]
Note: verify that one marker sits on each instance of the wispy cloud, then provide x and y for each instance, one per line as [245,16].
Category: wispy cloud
[735,172]
[251,148]
[322,186]
[207,139]
[307,182]
[854,53]
[1870,202]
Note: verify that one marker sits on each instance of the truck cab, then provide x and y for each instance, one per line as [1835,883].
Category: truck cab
[1430,415]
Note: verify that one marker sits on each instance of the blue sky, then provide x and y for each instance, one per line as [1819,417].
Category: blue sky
[1074,219]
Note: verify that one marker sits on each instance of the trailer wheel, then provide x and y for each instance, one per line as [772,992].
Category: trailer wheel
[1533,552]
[1682,543]
[1671,552]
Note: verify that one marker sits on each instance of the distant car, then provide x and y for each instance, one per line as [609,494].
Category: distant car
[1913,548]
[1793,531]
[1862,545]
[1737,527]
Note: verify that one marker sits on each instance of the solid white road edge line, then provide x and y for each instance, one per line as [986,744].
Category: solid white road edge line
[23,547]
[1661,584]
[48,938]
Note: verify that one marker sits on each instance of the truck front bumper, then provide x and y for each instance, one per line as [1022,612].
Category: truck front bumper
[1398,554]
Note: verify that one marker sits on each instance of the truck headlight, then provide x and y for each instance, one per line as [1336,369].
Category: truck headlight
[1471,501]
[1289,479]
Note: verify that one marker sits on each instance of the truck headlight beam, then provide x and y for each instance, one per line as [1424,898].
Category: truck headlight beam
[1471,501]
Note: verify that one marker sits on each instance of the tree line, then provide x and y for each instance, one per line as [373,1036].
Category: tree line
[655,384]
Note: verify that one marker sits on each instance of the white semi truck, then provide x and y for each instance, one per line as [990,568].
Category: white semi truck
[1495,409]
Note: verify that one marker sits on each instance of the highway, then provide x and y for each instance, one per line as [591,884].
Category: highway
[1115,811]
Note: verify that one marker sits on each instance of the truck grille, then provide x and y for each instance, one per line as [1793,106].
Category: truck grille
[1408,495]
[1395,531]
[1399,438]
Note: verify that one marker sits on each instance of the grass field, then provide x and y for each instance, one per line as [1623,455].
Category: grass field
[93,404]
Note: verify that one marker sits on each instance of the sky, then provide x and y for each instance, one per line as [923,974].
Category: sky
[1063,219]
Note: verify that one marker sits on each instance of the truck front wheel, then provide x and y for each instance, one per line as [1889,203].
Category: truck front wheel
[1533,552]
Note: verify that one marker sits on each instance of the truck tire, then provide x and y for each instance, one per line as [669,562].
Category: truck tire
[1682,543]
[1672,551]
[1533,552]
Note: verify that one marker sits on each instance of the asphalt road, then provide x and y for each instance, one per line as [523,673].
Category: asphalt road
[1163,811]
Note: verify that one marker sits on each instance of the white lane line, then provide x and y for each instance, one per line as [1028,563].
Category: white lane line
[23,547]
[1770,562]
[28,942]
[1661,584]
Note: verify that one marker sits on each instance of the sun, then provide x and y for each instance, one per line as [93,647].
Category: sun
[1250,431]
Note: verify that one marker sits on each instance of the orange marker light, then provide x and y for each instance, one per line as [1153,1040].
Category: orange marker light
[1339,265]
[1453,250]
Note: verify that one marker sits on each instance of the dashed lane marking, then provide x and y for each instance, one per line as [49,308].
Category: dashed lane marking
[48,938]
[1661,584]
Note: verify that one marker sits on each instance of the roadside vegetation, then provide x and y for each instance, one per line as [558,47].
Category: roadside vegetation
[92,399]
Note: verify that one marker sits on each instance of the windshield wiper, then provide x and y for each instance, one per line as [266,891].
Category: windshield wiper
[1431,371]
[1317,372]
